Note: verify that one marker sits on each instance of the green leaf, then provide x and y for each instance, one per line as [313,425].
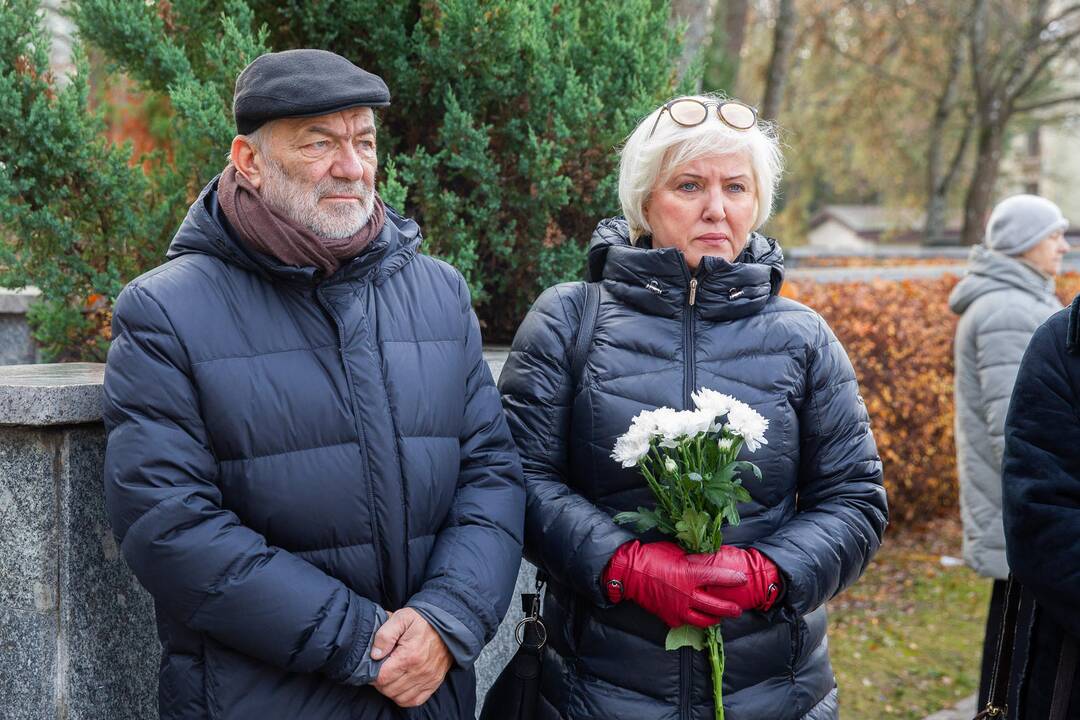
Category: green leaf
[691,529]
[685,636]
[744,466]
[643,520]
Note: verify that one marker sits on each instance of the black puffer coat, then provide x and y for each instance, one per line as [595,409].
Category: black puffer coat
[1040,496]
[819,514]
[284,455]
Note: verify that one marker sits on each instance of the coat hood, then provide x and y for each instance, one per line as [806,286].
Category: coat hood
[206,231]
[990,271]
[656,280]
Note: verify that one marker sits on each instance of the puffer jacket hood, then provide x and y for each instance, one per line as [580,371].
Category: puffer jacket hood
[290,456]
[661,333]
[990,271]
[746,285]
[1001,301]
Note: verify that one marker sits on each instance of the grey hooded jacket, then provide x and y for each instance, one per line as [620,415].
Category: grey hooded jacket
[1001,301]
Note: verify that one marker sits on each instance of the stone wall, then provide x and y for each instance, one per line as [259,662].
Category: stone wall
[77,638]
[16,344]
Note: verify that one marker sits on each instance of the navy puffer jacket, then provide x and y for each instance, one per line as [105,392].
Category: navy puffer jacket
[285,455]
[1040,489]
[819,514]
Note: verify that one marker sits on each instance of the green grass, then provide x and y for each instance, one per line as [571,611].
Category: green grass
[906,639]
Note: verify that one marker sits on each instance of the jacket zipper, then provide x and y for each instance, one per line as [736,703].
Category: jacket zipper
[686,660]
[688,344]
[796,643]
[686,656]
[360,436]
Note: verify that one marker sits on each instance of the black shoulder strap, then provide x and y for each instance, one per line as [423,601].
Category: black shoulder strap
[999,680]
[1063,683]
[585,332]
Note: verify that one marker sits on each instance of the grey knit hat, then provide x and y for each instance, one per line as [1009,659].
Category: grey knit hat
[1021,222]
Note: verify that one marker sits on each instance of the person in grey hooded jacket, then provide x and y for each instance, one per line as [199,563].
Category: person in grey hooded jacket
[1007,293]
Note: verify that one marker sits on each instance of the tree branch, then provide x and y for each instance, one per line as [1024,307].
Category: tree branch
[874,68]
[977,34]
[1061,16]
[776,76]
[1016,62]
[958,156]
[1059,46]
[1030,107]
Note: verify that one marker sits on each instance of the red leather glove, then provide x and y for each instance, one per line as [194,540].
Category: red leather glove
[661,578]
[762,586]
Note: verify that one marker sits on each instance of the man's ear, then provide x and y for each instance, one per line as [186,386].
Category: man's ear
[242,153]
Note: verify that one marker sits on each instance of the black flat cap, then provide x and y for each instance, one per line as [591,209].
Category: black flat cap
[302,83]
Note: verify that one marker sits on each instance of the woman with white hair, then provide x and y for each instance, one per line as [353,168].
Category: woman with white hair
[689,299]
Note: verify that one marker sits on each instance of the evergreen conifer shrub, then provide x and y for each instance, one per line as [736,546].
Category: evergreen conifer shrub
[501,139]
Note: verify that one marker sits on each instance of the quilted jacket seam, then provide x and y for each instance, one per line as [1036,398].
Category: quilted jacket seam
[224,358]
[549,421]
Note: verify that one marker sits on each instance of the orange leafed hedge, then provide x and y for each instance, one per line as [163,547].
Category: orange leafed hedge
[899,335]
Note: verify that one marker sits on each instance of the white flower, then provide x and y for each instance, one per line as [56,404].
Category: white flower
[667,426]
[670,425]
[630,449]
[725,443]
[714,403]
[744,421]
[698,421]
[670,465]
[633,445]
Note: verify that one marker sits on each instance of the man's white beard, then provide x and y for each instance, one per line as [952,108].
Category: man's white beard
[300,203]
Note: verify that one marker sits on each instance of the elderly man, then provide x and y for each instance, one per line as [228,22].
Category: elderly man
[307,464]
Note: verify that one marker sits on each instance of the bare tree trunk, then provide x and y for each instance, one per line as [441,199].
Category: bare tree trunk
[783,42]
[981,191]
[735,14]
[938,179]
[698,17]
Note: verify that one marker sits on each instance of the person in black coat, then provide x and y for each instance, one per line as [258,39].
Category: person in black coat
[1041,513]
[303,434]
[689,300]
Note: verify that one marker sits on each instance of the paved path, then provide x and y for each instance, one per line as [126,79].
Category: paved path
[865,274]
[963,710]
[1071,262]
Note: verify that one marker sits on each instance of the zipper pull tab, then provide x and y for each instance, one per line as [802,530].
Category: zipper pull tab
[693,290]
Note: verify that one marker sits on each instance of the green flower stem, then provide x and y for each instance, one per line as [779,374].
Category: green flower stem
[657,490]
[716,659]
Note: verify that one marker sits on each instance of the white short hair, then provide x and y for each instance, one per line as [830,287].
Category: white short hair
[646,161]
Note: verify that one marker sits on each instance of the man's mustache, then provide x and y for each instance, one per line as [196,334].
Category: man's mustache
[359,189]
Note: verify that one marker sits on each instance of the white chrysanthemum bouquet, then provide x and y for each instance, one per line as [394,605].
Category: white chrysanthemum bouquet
[688,459]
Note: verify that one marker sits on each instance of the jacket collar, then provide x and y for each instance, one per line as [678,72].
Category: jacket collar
[657,280]
[990,271]
[205,231]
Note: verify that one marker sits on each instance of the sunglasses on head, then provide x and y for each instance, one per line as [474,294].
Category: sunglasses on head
[689,112]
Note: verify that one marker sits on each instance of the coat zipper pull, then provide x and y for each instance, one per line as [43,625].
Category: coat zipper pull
[693,290]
